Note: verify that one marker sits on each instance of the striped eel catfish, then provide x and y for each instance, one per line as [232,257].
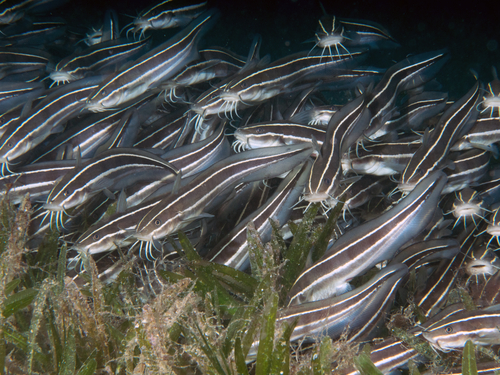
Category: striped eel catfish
[358,311]
[328,39]
[381,158]
[167,14]
[243,201]
[482,262]
[46,118]
[356,33]
[490,189]
[10,116]
[250,89]
[189,160]
[220,53]
[108,31]
[484,133]
[202,71]
[193,158]
[468,168]
[420,253]
[467,206]
[370,243]
[87,136]
[19,60]
[480,326]
[119,228]
[14,93]
[316,116]
[39,32]
[443,278]
[388,355]
[103,56]
[364,32]
[232,250]
[36,179]
[360,192]
[415,112]
[394,353]
[163,132]
[407,74]
[149,70]
[115,231]
[344,129]
[173,212]
[111,170]
[275,133]
[432,155]
[12,12]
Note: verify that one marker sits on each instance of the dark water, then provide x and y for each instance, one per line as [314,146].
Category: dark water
[470,30]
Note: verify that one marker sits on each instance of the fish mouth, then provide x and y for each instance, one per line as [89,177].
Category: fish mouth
[481,267]
[52,207]
[141,25]
[61,76]
[229,96]
[406,187]
[92,249]
[94,106]
[143,237]
[316,197]
[426,336]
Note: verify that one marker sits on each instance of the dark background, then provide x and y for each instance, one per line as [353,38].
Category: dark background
[470,30]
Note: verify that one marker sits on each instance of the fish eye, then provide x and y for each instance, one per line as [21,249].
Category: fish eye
[157,222]
[95,237]
[67,192]
[327,181]
[449,329]
[259,130]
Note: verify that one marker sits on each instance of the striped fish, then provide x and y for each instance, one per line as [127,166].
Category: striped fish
[480,326]
[149,70]
[370,243]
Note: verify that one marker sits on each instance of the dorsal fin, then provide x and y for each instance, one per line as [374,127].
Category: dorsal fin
[323,8]
[78,156]
[253,58]
[116,133]
[474,73]
[494,73]
[254,53]
[26,108]
[177,183]
[315,144]
[425,137]
[61,152]
[121,203]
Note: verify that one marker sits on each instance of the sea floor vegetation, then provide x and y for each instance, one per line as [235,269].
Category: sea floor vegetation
[198,318]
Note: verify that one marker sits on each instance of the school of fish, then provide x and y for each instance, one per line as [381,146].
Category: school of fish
[175,136]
